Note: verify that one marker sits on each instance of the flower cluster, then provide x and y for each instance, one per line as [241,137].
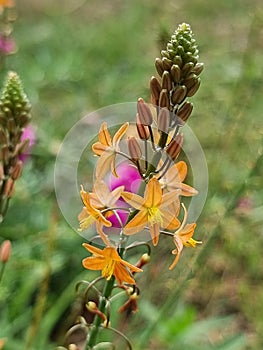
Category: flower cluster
[14,118]
[139,181]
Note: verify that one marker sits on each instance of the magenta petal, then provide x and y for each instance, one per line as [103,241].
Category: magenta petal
[129,177]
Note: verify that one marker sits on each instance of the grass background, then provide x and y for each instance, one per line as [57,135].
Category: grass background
[77,56]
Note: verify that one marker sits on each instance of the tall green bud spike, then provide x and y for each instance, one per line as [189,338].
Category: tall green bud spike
[14,104]
[14,116]
[179,70]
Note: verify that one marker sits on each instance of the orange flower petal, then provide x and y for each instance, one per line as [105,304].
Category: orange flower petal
[153,193]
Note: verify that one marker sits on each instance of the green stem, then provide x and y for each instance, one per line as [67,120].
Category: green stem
[2,271]
[97,320]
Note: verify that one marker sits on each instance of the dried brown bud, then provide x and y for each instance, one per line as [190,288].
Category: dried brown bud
[194,88]
[159,66]
[155,88]
[16,171]
[144,112]
[185,111]
[198,68]
[5,251]
[164,120]
[179,94]
[9,188]
[164,100]
[174,146]
[142,130]
[134,148]
[187,68]
[167,64]
[176,73]
[166,81]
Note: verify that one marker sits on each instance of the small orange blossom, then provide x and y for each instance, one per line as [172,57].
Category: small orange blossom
[110,263]
[152,210]
[106,148]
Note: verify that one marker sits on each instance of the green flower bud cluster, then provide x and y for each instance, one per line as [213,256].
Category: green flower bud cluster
[14,116]
[178,71]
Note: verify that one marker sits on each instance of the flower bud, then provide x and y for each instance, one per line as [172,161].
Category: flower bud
[144,112]
[17,170]
[167,64]
[166,81]
[5,251]
[164,120]
[142,130]
[134,148]
[159,66]
[164,100]
[174,147]
[155,88]
[194,88]
[184,111]
[179,94]
[176,73]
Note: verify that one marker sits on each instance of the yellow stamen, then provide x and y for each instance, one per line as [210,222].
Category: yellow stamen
[155,216]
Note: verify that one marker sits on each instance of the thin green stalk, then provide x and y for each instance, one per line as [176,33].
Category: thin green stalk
[97,320]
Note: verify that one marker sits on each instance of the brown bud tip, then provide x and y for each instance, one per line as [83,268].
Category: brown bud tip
[142,130]
[134,148]
[5,251]
[16,170]
[144,112]
[164,120]
[174,146]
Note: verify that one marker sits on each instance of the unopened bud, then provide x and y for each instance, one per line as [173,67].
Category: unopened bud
[155,88]
[5,251]
[166,81]
[145,259]
[176,73]
[134,148]
[179,94]
[159,66]
[174,147]
[9,188]
[164,100]
[167,64]
[17,170]
[198,68]
[187,68]
[194,88]
[73,347]
[164,120]
[144,112]
[184,112]
[142,130]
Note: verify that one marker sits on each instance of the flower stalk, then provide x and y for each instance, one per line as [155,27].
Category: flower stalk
[116,205]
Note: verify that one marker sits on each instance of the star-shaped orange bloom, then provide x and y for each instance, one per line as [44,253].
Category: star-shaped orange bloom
[94,203]
[152,210]
[110,263]
[106,148]
[183,237]
[173,180]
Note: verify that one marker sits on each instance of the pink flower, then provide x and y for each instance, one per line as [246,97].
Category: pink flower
[129,177]
[30,134]
[7,45]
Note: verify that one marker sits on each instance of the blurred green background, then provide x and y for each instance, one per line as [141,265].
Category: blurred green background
[75,56]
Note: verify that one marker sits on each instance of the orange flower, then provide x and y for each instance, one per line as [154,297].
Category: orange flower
[90,215]
[183,237]
[106,148]
[6,3]
[110,263]
[152,210]
[173,180]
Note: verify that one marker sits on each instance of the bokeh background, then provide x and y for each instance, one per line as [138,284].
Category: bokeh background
[76,56]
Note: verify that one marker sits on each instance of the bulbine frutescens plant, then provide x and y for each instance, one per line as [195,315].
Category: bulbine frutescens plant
[138,190]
